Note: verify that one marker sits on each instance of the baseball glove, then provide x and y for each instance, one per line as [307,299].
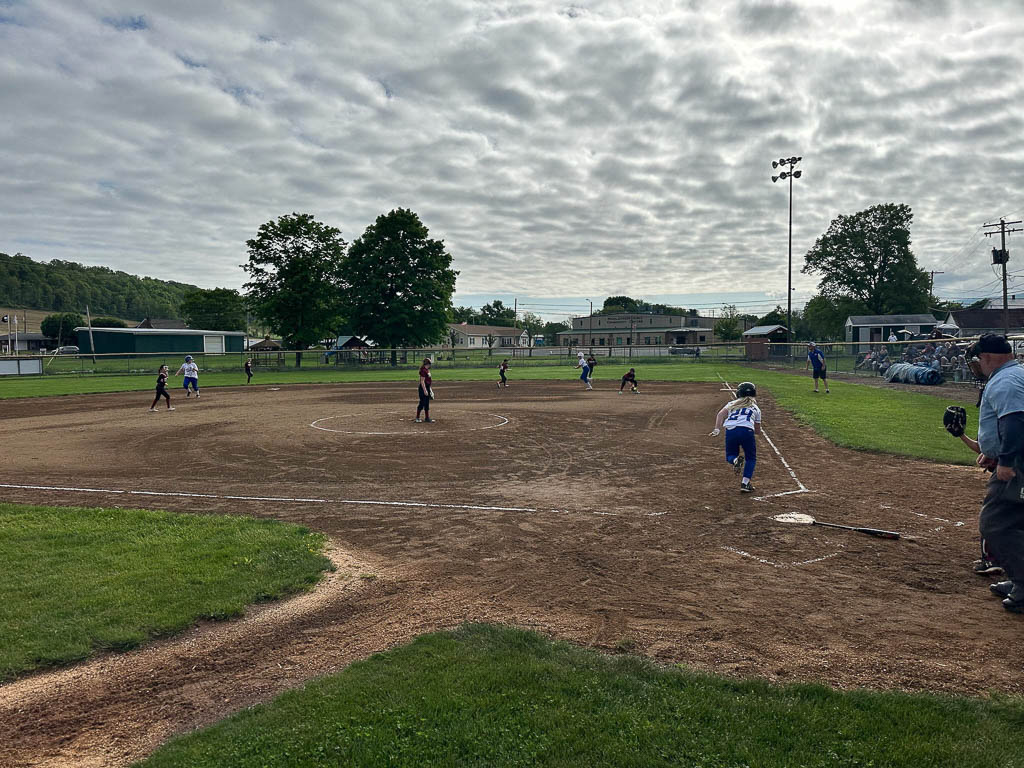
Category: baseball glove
[954,420]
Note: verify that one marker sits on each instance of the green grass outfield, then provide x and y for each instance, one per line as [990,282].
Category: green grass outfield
[854,415]
[490,696]
[75,581]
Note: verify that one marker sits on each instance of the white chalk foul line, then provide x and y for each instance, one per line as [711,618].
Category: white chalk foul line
[502,422]
[764,561]
[802,488]
[299,500]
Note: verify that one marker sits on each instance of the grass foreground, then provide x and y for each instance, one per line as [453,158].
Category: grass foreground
[76,580]
[491,696]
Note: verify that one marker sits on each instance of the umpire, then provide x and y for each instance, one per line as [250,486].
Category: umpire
[1001,440]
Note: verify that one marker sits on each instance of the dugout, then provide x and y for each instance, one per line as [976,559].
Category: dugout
[139,341]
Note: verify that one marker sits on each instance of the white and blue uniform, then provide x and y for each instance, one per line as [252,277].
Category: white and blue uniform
[585,375]
[739,434]
[191,371]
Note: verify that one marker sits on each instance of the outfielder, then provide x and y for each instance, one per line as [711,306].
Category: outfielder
[191,371]
[742,420]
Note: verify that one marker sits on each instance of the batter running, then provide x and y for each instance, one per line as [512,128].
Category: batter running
[742,419]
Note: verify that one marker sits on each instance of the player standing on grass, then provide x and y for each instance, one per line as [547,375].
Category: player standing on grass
[742,419]
[426,393]
[191,372]
[501,372]
[816,358]
[581,363]
[629,378]
[161,390]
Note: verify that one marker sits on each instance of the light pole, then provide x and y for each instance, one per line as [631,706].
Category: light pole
[790,174]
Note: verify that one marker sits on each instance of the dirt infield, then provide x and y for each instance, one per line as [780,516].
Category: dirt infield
[607,520]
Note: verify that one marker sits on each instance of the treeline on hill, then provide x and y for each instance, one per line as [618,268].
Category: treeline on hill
[64,286]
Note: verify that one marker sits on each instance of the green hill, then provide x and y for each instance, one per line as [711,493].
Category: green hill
[65,286]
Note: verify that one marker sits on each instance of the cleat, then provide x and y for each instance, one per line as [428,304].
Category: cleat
[747,488]
[419,421]
[429,421]
[984,566]
[170,407]
[152,410]
[738,464]
[1002,588]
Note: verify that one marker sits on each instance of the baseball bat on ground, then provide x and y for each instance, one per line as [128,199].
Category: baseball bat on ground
[796,517]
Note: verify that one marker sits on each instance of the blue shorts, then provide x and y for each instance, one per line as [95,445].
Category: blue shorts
[193,381]
[586,373]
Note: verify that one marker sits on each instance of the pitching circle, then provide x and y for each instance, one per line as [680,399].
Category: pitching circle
[413,429]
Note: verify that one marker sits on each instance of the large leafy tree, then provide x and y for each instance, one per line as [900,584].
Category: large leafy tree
[866,257]
[296,279]
[552,329]
[496,313]
[534,324]
[727,327]
[401,283]
[825,318]
[219,309]
[61,326]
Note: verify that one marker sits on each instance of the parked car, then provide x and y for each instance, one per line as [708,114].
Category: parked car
[688,351]
[67,350]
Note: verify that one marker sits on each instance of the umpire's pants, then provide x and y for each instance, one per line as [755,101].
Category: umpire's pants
[1002,525]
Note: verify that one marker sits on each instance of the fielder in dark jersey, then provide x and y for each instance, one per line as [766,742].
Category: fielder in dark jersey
[629,378]
[425,392]
[816,358]
[501,372]
[161,389]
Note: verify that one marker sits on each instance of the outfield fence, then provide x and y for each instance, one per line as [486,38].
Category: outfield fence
[847,358]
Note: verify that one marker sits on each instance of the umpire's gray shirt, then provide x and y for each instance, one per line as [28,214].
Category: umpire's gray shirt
[1004,394]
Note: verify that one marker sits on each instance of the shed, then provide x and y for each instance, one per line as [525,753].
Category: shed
[267,344]
[759,338]
[22,342]
[876,329]
[974,322]
[129,341]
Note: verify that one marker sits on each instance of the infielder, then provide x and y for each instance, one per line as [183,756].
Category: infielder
[426,393]
[630,378]
[191,372]
[742,420]
[161,390]
[501,372]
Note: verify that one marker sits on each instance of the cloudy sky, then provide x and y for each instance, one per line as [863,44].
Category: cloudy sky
[563,151]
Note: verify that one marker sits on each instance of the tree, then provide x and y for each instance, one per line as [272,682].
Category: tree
[532,323]
[866,257]
[464,315]
[615,304]
[402,283]
[776,317]
[61,326]
[296,278]
[552,329]
[220,309]
[727,328]
[496,313]
[108,322]
[490,338]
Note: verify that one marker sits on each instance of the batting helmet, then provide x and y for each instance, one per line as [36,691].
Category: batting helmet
[746,389]
[188,358]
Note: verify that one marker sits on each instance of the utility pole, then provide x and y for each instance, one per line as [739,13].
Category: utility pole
[1001,256]
[931,284]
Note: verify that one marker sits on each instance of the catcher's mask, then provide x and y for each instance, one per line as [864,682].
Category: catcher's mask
[993,343]
[746,389]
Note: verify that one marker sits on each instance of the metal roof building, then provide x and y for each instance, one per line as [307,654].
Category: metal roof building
[159,340]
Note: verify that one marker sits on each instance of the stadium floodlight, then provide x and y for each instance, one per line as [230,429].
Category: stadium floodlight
[790,174]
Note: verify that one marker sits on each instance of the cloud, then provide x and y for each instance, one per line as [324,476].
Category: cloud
[557,150]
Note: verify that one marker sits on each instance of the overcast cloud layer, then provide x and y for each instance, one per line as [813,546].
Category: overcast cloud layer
[561,150]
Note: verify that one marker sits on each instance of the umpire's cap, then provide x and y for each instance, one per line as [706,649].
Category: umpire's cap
[993,343]
[746,389]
